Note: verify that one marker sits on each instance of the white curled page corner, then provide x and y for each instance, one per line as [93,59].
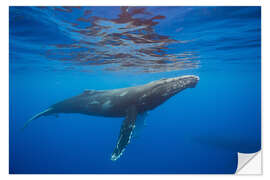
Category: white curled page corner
[249,163]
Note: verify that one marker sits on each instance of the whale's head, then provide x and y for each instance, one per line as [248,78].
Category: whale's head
[167,87]
[188,81]
[174,85]
[157,92]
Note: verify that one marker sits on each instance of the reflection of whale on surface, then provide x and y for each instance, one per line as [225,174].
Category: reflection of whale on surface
[126,102]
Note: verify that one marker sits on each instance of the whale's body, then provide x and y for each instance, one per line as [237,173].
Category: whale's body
[125,102]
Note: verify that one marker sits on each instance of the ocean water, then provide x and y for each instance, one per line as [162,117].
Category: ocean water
[58,52]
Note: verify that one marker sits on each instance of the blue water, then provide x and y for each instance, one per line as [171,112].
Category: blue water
[57,52]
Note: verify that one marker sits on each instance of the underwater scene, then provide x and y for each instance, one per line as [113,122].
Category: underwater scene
[133,90]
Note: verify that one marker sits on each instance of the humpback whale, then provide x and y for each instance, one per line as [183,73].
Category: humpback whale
[131,103]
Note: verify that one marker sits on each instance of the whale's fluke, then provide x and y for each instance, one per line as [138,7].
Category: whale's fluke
[125,132]
[37,116]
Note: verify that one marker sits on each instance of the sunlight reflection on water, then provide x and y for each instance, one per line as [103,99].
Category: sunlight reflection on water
[128,42]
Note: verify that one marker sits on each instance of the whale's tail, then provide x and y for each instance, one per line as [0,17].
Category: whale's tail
[43,113]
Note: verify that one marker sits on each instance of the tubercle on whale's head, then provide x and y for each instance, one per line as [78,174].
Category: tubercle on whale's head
[181,82]
[190,81]
[168,87]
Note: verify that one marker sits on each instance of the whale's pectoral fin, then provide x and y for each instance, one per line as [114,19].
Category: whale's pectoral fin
[125,132]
